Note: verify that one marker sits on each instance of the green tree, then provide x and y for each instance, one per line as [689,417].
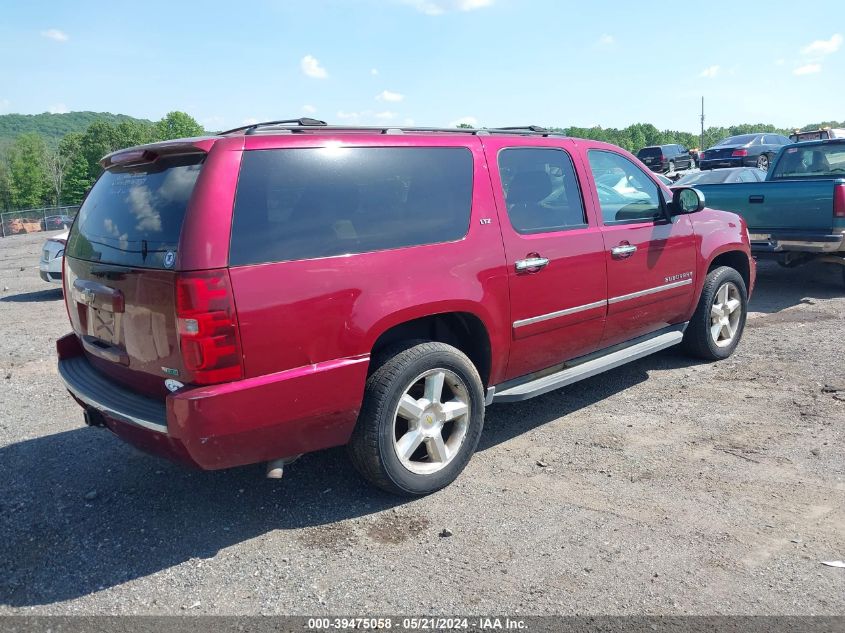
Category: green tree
[29,186]
[5,182]
[130,133]
[77,180]
[99,139]
[177,125]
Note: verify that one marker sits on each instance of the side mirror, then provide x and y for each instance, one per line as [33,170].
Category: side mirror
[687,200]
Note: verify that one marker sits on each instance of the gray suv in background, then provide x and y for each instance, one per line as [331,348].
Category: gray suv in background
[666,159]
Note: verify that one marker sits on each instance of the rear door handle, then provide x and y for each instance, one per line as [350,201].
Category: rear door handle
[531,264]
[756,199]
[622,251]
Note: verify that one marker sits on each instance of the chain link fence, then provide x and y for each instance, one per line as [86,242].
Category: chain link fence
[35,220]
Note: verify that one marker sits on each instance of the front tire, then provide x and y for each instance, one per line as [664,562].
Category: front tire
[719,320]
[421,420]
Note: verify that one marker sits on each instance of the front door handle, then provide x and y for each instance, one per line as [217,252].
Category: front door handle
[531,264]
[623,250]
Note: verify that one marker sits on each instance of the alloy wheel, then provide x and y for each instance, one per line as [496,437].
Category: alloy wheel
[431,420]
[725,315]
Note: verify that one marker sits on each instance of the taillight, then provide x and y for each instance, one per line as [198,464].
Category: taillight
[740,152]
[208,327]
[839,200]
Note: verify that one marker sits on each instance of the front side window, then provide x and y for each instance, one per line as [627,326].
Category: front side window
[541,190]
[626,194]
[305,203]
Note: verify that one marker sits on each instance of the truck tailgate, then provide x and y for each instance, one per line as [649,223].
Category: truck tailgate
[801,205]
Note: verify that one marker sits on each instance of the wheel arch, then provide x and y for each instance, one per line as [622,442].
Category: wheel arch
[736,259]
[464,330]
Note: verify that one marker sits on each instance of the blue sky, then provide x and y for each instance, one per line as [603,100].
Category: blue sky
[429,62]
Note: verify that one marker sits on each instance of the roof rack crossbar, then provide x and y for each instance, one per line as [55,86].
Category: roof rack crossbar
[252,127]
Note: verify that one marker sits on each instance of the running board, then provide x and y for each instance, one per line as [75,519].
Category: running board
[586,369]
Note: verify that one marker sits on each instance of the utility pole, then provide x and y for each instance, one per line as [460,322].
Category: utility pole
[701,146]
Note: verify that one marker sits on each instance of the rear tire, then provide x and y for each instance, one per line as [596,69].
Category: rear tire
[763,162]
[719,320]
[421,419]
[671,166]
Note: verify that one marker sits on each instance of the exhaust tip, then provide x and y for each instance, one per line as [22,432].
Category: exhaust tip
[275,469]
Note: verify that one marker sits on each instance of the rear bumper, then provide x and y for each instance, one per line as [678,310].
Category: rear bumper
[233,424]
[778,242]
[51,271]
[717,163]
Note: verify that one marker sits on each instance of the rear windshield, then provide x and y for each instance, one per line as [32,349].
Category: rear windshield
[815,161]
[650,151]
[743,139]
[307,203]
[133,215]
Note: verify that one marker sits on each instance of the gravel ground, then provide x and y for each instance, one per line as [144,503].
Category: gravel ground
[664,487]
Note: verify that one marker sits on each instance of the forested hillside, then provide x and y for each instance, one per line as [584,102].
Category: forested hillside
[52,127]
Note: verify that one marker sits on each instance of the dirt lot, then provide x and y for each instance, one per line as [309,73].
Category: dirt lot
[669,487]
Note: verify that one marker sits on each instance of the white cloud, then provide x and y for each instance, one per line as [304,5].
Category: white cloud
[387,115]
[56,35]
[439,7]
[312,68]
[606,40]
[467,120]
[822,48]
[710,72]
[808,69]
[59,108]
[392,97]
[374,72]
[309,109]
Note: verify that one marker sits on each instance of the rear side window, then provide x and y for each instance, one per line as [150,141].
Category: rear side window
[305,203]
[133,215]
[541,190]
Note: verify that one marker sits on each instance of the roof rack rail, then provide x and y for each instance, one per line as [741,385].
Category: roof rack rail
[308,125]
[530,128]
[302,122]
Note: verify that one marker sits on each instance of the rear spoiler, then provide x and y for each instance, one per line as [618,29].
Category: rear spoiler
[151,152]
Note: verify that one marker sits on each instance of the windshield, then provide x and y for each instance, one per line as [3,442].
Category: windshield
[743,139]
[814,161]
[133,215]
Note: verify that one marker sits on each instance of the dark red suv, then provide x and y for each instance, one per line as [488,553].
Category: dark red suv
[292,286]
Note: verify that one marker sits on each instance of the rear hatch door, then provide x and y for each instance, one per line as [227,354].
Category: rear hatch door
[119,269]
